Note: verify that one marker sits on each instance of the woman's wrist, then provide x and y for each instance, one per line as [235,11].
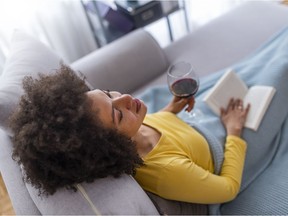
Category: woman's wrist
[234,131]
[167,109]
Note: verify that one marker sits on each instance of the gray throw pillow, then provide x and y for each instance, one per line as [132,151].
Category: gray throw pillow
[28,57]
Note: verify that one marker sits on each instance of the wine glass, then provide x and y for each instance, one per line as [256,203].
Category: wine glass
[184,82]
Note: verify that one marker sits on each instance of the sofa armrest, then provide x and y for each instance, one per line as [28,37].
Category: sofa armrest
[125,64]
[10,170]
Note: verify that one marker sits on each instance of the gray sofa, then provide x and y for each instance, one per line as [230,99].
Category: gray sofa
[130,64]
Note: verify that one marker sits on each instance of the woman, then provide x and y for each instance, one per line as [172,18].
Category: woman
[66,134]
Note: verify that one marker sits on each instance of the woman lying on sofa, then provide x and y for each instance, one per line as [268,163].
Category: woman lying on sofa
[66,134]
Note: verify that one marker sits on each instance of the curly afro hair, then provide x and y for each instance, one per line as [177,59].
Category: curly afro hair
[58,141]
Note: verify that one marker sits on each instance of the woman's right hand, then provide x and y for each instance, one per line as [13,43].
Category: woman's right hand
[234,117]
[177,104]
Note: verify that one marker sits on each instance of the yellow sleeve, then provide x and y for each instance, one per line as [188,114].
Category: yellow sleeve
[183,180]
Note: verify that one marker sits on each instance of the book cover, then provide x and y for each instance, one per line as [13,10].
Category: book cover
[231,86]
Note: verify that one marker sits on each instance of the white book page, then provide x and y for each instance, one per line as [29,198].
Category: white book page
[259,98]
[229,86]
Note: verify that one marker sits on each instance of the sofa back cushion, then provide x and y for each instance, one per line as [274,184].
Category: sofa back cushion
[125,64]
[217,44]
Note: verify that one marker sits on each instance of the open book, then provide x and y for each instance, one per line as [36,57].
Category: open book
[231,86]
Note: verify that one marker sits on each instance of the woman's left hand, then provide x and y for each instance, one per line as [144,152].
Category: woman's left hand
[234,117]
[178,104]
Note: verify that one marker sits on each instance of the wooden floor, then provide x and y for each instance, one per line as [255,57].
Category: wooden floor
[6,207]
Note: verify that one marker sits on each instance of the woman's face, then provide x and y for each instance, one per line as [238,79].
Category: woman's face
[118,111]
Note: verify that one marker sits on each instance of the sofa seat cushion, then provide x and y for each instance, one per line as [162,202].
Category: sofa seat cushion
[173,207]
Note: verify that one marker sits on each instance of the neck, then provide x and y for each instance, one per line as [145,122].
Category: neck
[146,139]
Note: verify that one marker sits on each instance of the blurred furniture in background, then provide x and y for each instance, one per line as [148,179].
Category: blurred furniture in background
[109,22]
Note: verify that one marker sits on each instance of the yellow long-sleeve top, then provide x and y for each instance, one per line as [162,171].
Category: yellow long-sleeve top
[180,167]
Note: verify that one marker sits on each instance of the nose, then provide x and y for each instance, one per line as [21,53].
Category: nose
[123,101]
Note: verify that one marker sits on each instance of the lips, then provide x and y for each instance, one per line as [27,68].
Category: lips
[138,104]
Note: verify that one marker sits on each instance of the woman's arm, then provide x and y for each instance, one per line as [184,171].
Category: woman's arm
[184,180]
[195,184]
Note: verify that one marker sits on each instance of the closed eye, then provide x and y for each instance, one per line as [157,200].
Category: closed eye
[107,92]
[120,115]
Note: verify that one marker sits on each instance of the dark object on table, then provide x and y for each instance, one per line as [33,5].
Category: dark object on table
[140,12]
[115,18]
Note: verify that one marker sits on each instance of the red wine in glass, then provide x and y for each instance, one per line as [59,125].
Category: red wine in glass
[184,82]
[185,87]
